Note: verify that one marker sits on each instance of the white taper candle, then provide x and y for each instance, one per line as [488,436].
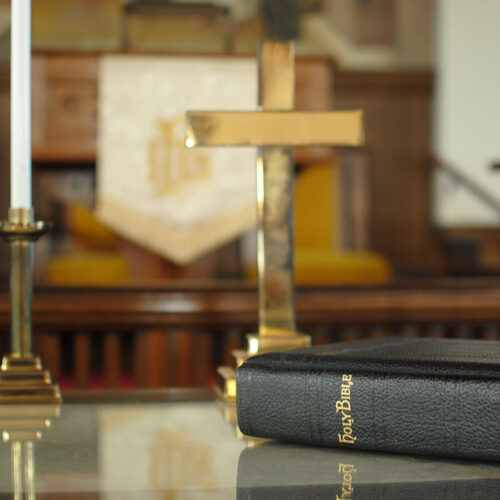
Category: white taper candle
[20,105]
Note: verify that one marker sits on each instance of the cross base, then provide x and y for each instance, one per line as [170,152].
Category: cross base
[225,389]
[23,380]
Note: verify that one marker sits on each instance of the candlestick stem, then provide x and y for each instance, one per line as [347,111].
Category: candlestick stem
[21,287]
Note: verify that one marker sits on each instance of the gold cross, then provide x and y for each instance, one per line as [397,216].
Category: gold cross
[275,128]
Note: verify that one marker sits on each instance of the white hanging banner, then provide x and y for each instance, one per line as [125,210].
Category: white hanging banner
[177,202]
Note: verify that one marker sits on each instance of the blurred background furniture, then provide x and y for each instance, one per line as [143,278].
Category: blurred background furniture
[176,335]
[368,237]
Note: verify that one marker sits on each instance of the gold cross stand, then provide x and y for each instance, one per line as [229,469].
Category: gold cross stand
[275,128]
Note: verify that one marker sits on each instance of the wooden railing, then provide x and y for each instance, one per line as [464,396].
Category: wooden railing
[468,182]
[177,335]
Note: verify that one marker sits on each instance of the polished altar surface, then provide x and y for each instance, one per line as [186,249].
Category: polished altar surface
[184,450]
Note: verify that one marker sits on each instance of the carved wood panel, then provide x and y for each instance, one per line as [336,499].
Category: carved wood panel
[397,107]
[64,109]
[4,164]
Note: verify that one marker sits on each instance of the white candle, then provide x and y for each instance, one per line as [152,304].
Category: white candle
[20,105]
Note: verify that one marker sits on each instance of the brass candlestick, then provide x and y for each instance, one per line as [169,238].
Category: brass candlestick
[22,378]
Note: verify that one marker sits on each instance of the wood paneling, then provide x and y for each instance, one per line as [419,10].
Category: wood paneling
[202,358]
[472,250]
[112,358]
[4,162]
[369,22]
[82,355]
[397,108]
[376,22]
[154,364]
[64,107]
[50,352]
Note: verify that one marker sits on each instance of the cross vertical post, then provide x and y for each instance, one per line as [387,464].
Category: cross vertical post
[275,199]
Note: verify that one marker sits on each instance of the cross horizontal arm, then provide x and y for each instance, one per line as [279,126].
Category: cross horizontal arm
[274,128]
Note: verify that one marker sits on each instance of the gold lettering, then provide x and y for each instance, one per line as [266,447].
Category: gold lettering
[347,468]
[347,471]
[344,438]
[173,169]
[346,392]
[343,405]
[347,488]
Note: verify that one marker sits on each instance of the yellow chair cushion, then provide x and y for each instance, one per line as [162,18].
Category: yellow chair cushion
[87,230]
[320,267]
[317,211]
[93,268]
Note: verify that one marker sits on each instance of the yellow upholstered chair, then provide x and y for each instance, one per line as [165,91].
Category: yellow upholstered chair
[95,257]
[319,256]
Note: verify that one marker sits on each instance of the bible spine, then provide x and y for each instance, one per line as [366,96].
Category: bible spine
[429,415]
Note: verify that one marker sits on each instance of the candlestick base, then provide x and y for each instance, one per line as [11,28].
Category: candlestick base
[26,422]
[22,426]
[23,380]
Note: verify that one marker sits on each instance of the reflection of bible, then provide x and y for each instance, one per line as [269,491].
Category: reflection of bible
[282,471]
[423,396]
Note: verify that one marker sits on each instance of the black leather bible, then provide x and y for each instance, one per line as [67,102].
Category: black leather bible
[422,396]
